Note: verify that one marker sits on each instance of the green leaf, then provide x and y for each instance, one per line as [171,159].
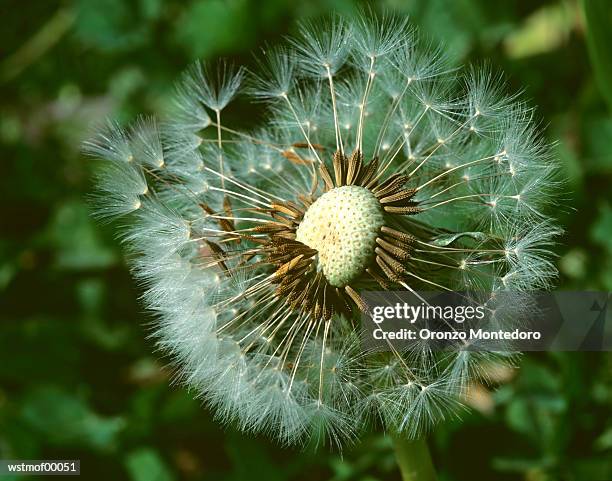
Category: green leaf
[601,231]
[598,16]
[574,263]
[543,31]
[111,25]
[251,461]
[65,419]
[150,9]
[604,441]
[210,27]
[145,464]
[76,240]
[598,149]
[92,296]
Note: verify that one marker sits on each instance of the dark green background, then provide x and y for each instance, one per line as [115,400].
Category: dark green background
[78,377]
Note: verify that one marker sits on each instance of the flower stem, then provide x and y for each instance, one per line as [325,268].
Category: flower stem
[413,459]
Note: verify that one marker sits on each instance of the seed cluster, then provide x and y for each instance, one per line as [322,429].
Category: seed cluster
[319,249]
[342,226]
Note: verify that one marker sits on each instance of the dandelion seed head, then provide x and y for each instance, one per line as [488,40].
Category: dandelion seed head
[374,167]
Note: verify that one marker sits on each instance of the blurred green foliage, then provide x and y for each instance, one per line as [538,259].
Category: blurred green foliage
[79,378]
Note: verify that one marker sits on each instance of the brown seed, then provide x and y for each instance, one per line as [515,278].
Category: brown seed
[402,236]
[288,266]
[379,279]
[395,251]
[339,162]
[405,194]
[325,175]
[389,272]
[218,254]
[295,158]
[306,145]
[408,210]
[357,299]
[353,167]
[368,173]
[389,186]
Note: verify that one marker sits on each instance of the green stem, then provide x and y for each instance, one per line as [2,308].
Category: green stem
[413,459]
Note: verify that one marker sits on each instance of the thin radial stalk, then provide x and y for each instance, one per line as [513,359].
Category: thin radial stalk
[245,317]
[411,274]
[260,329]
[366,92]
[250,291]
[440,144]
[298,357]
[446,172]
[290,189]
[272,356]
[299,122]
[332,92]
[405,137]
[325,333]
[244,186]
[463,197]
[427,303]
[246,136]
[251,201]
[233,217]
[386,121]
[463,182]
[220,145]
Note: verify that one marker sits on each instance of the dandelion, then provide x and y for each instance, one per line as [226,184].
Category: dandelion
[376,167]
